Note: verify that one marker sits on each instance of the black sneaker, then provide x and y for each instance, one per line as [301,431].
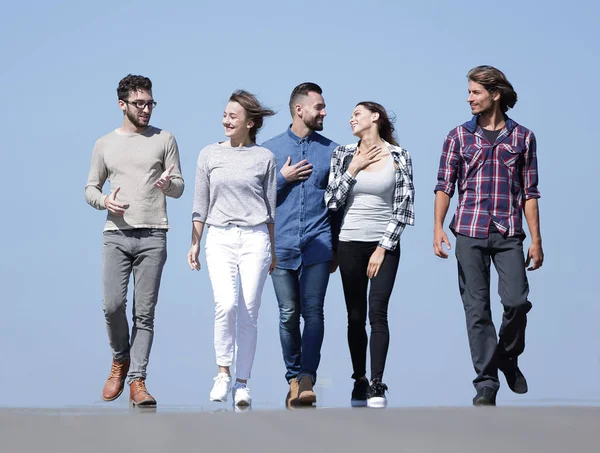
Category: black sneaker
[377,397]
[486,396]
[360,393]
[515,379]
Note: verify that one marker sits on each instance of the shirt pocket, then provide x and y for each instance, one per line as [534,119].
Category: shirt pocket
[472,155]
[509,155]
[320,177]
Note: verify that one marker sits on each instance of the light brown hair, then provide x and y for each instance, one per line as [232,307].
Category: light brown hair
[254,110]
[494,81]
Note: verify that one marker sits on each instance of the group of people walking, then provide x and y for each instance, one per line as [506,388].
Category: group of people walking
[299,206]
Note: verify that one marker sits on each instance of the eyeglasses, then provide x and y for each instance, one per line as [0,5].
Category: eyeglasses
[141,104]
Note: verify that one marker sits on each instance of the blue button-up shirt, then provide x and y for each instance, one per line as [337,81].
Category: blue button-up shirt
[303,224]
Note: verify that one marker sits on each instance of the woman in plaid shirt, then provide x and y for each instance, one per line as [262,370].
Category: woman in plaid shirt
[372,181]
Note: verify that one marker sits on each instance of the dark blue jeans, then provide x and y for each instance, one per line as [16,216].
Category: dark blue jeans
[301,292]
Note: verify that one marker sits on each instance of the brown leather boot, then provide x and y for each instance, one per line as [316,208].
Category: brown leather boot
[292,396]
[139,396]
[116,380]
[306,395]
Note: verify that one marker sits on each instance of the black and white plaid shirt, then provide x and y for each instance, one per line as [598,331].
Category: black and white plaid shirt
[403,210]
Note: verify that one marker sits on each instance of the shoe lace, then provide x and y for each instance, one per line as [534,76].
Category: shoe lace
[116,369]
[139,386]
[241,386]
[220,378]
[379,387]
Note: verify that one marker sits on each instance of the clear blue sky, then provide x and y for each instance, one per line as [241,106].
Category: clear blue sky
[60,63]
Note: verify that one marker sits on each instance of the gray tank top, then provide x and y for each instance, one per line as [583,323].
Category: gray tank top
[369,205]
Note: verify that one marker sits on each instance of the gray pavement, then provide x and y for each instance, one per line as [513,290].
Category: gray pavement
[448,430]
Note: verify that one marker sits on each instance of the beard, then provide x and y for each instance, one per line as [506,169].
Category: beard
[136,120]
[315,123]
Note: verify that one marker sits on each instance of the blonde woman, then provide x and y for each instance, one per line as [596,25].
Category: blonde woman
[235,198]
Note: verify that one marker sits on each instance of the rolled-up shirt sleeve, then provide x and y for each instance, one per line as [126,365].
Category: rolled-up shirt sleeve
[529,171]
[448,169]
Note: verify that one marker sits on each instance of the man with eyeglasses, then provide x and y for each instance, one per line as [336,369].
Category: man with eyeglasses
[142,164]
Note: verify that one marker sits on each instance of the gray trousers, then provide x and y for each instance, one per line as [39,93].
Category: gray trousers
[488,352]
[142,251]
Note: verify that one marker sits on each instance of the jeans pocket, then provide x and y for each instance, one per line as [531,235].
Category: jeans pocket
[111,236]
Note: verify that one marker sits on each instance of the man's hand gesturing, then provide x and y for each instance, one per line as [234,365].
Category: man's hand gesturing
[111,204]
[165,179]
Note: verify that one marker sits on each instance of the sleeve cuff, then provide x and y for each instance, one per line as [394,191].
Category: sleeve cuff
[446,188]
[196,217]
[348,178]
[281,181]
[531,196]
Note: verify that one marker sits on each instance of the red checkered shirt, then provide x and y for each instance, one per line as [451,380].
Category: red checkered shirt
[494,179]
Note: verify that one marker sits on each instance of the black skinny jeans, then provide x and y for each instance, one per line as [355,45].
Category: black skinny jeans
[353,258]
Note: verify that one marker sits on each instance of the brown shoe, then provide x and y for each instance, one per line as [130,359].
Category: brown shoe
[306,395]
[116,380]
[292,397]
[139,396]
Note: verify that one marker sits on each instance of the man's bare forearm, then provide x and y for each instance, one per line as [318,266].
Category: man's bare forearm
[442,202]
[532,215]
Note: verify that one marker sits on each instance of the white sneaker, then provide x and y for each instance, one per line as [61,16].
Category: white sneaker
[241,394]
[377,397]
[221,387]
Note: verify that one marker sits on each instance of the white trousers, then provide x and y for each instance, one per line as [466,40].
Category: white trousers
[238,260]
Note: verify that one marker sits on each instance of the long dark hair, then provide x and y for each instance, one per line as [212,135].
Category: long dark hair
[385,124]
[254,110]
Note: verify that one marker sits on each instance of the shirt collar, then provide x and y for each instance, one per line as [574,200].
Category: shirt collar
[391,148]
[309,138]
[472,125]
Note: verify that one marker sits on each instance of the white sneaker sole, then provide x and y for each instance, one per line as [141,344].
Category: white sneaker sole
[218,400]
[377,402]
[241,401]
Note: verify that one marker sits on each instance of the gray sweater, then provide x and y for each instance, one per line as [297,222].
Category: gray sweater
[134,162]
[235,186]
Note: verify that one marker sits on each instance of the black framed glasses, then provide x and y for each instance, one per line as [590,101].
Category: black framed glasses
[141,104]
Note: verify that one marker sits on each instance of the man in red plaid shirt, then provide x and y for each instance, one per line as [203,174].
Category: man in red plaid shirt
[492,161]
